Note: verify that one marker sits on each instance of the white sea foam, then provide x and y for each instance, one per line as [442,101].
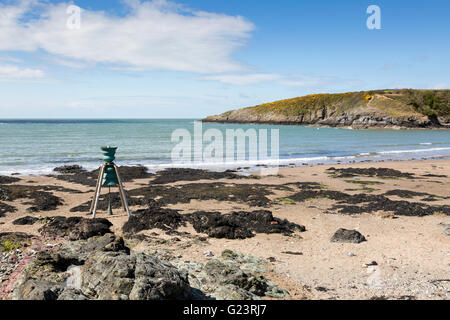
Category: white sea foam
[412,151]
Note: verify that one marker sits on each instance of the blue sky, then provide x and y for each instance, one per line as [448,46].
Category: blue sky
[190,59]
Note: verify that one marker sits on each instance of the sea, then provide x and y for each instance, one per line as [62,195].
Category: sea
[31,147]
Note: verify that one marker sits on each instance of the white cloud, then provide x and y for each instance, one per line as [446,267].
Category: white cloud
[440,86]
[307,81]
[285,80]
[11,72]
[243,79]
[154,35]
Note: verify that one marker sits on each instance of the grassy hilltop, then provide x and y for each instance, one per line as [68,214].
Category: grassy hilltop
[397,108]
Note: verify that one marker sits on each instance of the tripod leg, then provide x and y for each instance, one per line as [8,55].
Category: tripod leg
[97,193]
[96,189]
[123,197]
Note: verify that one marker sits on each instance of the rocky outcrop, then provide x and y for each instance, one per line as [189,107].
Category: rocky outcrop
[104,268]
[359,110]
[100,268]
[232,276]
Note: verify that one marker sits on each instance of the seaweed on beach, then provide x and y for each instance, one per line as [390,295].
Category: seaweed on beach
[73,168]
[60,189]
[40,200]
[25,221]
[306,185]
[309,194]
[159,218]
[43,201]
[408,194]
[384,173]
[380,203]
[241,224]
[366,203]
[103,202]
[6,208]
[8,180]
[159,196]
[252,194]
[75,228]
[435,175]
[89,178]
[235,225]
[186,174]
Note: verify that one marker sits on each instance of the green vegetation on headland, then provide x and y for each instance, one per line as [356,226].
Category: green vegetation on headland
[397,108]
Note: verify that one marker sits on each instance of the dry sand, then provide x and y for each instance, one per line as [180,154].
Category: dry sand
[412,253]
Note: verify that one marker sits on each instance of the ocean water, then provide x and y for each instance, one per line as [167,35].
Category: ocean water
[37,146]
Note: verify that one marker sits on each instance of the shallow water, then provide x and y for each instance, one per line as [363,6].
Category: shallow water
[37,146]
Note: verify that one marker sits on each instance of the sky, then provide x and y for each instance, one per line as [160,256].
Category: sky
[194,58]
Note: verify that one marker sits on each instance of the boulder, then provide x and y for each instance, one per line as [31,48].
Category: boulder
[350,236]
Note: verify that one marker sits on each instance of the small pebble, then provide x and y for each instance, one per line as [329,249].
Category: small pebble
[208,253]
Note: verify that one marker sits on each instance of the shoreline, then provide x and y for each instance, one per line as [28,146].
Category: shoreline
[249,166]
[323,125]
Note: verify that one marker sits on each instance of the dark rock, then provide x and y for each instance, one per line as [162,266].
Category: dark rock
[25,221]
[75,228]
[240,225]
[351,236]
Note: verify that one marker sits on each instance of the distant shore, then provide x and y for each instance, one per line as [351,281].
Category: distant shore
[373,109]
[325,125]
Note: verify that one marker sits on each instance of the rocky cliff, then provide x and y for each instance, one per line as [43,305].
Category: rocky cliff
[405,108]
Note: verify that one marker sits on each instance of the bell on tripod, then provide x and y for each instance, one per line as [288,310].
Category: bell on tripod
[109,177]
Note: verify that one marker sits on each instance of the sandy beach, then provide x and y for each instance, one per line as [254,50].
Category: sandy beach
[406,254]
